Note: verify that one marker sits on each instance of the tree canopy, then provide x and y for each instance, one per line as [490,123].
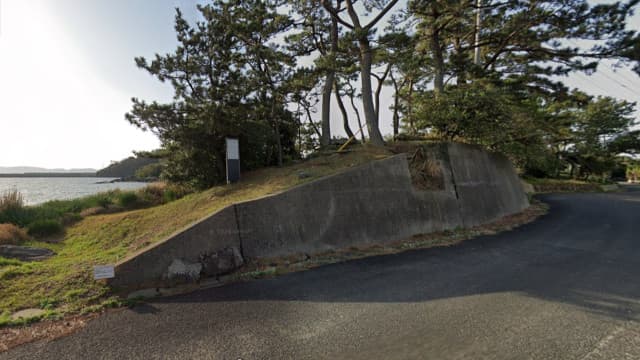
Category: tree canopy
[486,72]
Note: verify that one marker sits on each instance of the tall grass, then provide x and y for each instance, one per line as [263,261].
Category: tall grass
[11,199]
[50,217]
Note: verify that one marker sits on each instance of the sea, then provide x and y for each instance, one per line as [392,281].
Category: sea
[39,190]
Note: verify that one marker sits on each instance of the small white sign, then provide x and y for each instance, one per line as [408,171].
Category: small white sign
[103,272]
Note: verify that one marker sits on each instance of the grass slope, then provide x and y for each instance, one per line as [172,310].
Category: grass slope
[63,284]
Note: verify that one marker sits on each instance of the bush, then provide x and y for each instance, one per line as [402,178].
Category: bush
[161,193]
[70,218]
[128,199]
[153,194]
[12,235]
[103,200]
[150,171]
[44,228]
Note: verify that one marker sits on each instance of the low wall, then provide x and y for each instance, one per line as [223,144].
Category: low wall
[438,187]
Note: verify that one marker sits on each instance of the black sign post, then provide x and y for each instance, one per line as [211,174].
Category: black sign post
[233,160]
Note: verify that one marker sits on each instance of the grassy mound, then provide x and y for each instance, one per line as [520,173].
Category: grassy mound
[64,284]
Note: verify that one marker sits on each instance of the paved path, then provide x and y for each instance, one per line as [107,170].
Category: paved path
[564,287]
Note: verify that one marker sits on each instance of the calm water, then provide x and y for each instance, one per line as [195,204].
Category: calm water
[39,190]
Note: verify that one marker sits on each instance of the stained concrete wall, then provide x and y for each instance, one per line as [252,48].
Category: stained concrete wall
[374,203]
[149,267]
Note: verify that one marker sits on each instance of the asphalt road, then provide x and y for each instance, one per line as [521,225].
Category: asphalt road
[564,287]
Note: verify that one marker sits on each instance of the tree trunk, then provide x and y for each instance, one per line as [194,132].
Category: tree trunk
[438,66]
[328,86]
[355,110]
[366,57]
[396,103]
[326,109]
[379,89]
[310,119]
[410,108]
[343,110]
[277,126]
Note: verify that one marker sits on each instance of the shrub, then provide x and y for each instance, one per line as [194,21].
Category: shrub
[128,199]
[12,209]
[70,218]
[161,193]
[44,228]
[174,192]
[12,235]
[103,200]
[153,194]
[150,171]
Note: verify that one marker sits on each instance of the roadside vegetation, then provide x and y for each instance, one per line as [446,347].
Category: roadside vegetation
[50,218]
[63,284]
[632,172]
[563,185]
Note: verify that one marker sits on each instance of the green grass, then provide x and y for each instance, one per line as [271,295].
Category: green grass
[64,284]
[50,218]
[9,262]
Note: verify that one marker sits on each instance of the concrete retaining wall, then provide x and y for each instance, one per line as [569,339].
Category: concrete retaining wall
[455,185]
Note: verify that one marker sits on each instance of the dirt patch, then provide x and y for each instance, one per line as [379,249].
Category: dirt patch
[11,337]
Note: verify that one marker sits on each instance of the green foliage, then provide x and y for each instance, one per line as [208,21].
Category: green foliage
[127,199]
[57,210]
[150,171]
[126,168]
[52,217]
[525,40]
[45,228]
[240,92]
[507,100]
[9,262]
[48,304]
[633,172]
[545,135]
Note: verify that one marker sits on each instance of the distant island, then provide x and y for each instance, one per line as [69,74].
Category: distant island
[30,169]
[48,175]
[33,172]
[134,168]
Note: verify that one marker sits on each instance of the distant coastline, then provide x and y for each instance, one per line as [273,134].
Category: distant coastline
[50,175]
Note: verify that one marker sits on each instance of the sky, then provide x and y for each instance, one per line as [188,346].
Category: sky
[67,75]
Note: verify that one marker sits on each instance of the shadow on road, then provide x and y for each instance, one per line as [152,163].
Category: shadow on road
[585,252]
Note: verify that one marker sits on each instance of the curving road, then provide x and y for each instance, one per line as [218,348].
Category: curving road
[564,287]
